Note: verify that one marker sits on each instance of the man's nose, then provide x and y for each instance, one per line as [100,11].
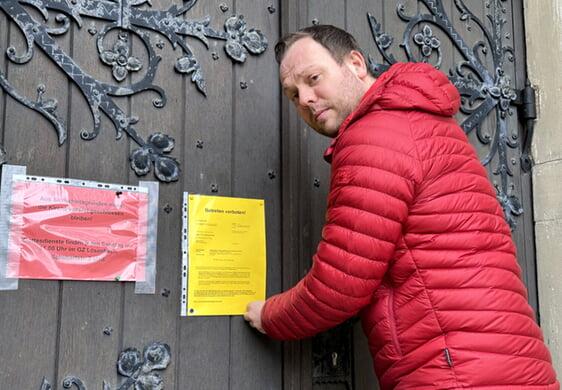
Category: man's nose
[307,96]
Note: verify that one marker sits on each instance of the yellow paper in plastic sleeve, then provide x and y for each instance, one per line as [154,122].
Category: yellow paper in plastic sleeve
[227,254]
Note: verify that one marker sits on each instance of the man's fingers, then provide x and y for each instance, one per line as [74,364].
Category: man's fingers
[248,319]
[253,315]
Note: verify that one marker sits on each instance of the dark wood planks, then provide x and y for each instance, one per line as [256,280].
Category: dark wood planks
[29,315]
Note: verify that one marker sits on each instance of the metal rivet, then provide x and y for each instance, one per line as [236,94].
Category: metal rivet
[243,84]
[168,209]
[166,292]
[223,7]
[199,144]
[315,21]
[158,103]
[316,182]
[214,188]
[215,56]
[271,9]
[108,331]
[272,174]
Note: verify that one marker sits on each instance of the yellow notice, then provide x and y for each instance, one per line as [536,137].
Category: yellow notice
[227,264]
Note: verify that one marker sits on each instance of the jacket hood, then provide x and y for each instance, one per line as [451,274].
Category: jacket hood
[412,86]
[406,86]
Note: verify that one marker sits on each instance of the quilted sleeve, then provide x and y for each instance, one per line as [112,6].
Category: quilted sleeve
[372,184]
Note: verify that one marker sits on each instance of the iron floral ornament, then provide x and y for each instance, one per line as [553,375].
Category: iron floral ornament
[483,91]
[127,18]
[139,369]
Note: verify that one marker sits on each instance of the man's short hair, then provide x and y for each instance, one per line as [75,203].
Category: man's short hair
[337,41]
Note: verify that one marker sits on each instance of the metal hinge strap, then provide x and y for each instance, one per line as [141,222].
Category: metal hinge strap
[527,107]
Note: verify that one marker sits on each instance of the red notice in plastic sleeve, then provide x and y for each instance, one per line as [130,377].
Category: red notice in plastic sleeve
[71,232]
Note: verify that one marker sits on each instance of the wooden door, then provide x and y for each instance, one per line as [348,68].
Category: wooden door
[480,45]
[185,69]
[239,138]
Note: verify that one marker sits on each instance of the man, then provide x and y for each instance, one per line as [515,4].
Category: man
[415,241]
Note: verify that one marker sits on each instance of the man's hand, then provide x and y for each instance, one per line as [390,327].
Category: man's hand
[253,315]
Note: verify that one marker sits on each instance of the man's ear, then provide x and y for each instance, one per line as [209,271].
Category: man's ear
[356,63]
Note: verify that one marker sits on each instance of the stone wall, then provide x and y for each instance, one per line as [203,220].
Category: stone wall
[543,26]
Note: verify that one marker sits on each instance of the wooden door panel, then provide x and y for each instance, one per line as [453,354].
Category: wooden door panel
[239,140]
[205,340]
[488,33]
[256,174]
[30,314]
[227,144]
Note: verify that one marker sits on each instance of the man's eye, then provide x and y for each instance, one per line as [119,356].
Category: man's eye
[314,77]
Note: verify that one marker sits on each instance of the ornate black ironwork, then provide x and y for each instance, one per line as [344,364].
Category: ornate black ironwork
[127,18]
[483,91]
[139,369]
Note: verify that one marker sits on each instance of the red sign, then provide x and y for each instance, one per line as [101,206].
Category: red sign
[72,232]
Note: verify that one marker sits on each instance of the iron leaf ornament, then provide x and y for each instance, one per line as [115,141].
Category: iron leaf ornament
[140,369]
[127,18]
[483,91]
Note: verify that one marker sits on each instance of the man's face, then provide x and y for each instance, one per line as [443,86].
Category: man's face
[323,91]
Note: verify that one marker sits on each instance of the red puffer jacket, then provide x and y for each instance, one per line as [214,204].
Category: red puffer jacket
[415,241]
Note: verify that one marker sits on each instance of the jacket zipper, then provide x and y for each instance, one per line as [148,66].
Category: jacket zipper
[392,322]
[448,357]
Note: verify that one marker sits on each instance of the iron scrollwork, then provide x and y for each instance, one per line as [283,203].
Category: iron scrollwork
[483,91]
[139,369]
[127,18]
